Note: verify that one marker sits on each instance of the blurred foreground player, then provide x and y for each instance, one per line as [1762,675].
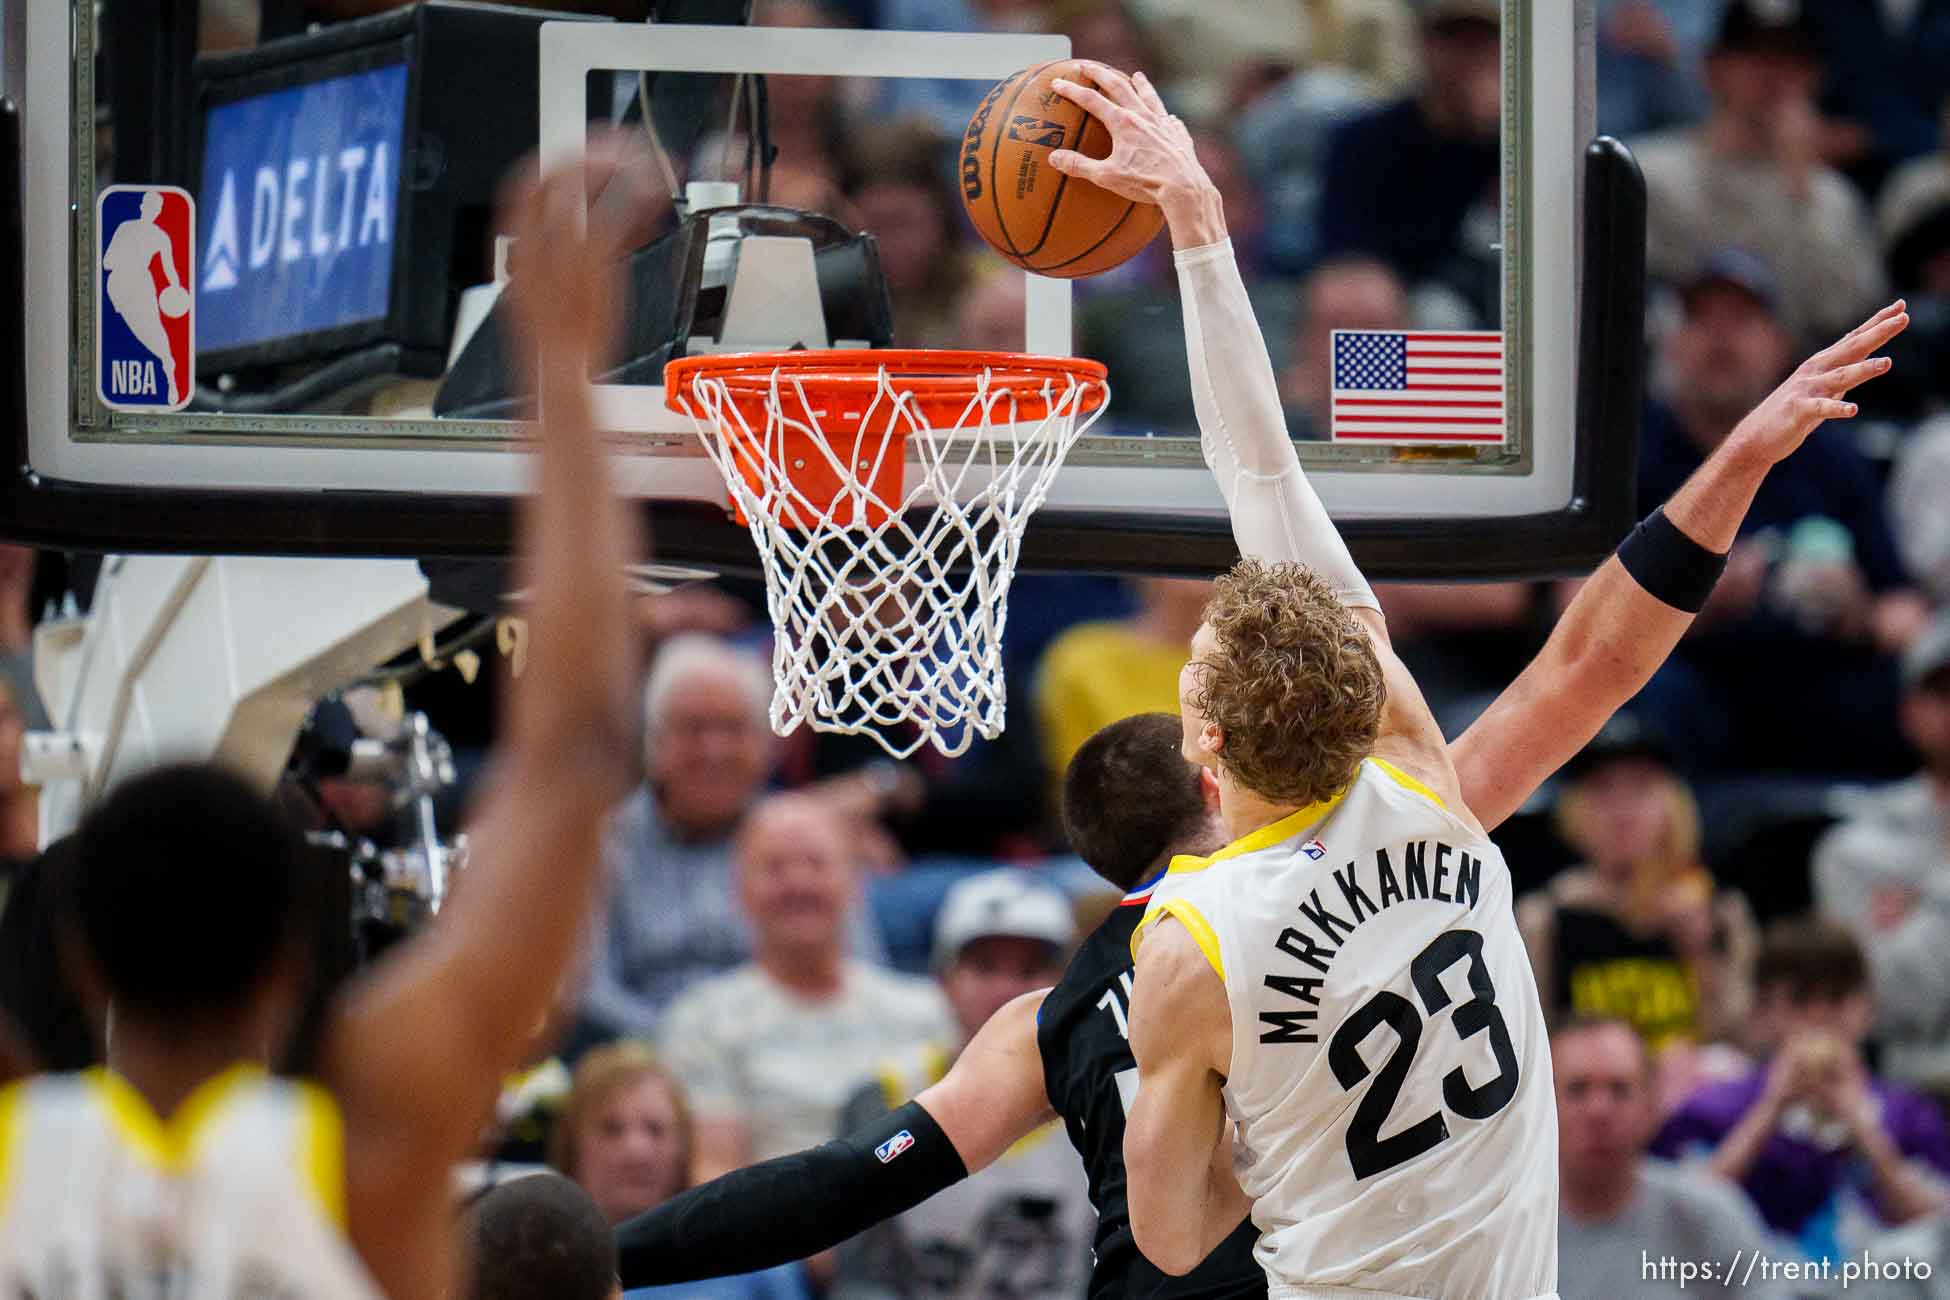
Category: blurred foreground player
[183,1165]
[1134,803]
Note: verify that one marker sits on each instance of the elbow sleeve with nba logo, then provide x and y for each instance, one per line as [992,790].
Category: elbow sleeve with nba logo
[1276,515]
[782,1210]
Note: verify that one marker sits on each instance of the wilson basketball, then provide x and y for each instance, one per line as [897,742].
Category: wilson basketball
[1029,212]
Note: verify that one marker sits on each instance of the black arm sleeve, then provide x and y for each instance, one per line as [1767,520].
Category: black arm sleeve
[786,1209]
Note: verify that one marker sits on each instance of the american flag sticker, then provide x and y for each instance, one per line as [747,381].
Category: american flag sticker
[1418,387]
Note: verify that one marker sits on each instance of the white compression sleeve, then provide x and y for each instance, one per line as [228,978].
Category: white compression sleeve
[1275,514]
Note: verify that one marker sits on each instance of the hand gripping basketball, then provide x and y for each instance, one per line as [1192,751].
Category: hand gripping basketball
[174,302]
[1038,217]
[1152,159]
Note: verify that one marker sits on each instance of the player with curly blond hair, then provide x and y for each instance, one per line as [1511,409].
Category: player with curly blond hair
[1291,678]
[1307,733]
[1334,1021]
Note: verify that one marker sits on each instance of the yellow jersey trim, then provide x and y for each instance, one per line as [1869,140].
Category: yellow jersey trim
[169,1143]
[1195,925]
[1403,779]
[321,1149]
[1297,821]
[10,1107]
[1265,837]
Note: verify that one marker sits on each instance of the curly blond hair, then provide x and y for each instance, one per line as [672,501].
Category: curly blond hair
[1292,682]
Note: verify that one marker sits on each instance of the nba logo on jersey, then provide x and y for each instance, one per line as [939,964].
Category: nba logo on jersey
[145,302]
[1314,850]
[893,1146]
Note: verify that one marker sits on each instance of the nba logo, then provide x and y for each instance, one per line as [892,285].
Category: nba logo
[145,303]
[893,1146]
[1036,131]
[1314,850]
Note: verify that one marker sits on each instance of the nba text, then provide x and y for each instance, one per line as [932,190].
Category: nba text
[133,379]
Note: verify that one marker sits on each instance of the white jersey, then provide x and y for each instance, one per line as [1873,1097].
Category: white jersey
[240,1193]
[1390,1082]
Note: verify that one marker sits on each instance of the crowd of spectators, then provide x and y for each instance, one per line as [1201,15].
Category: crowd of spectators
[1737,922]
[1737,901]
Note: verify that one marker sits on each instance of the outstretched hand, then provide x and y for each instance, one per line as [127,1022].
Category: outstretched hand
[1818,390]
[565,299]
[1152,159]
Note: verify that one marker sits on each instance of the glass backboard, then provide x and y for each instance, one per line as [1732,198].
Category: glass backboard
[342,236]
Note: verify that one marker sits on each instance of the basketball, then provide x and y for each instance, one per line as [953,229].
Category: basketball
[1029,212]
[175,301]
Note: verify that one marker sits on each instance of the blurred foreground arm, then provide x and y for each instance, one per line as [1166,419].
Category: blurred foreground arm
[419,1046]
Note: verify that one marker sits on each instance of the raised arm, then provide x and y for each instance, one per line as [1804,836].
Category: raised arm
[1635,608]
[418,1048]
[757,1217]
[1276,515]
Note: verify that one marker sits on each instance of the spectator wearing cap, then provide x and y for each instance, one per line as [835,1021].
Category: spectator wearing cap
[1827,1151]
[1021,1228]
[1885,873]
[1752,174]
[769,1051]
[1615,1207]
[1400,182]
[1814,592]
[1639,932]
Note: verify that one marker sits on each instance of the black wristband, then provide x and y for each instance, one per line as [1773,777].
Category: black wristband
[1672,567]
[785,1209]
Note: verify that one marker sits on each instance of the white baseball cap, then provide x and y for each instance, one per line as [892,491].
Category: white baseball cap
[1009,901]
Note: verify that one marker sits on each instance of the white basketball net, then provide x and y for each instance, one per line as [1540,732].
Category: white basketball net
[888,612]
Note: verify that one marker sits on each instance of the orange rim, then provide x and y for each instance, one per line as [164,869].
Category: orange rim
[933,374]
